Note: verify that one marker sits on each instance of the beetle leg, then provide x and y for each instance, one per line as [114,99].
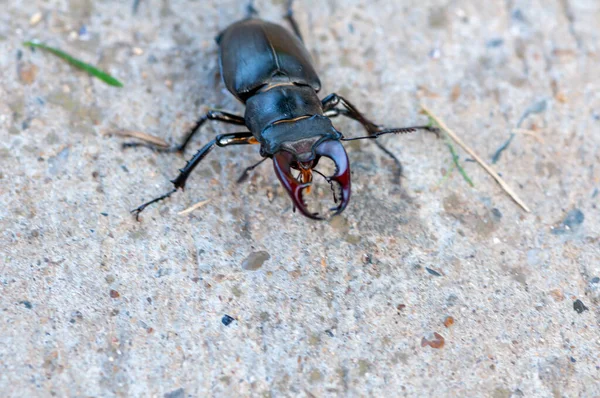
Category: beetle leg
[289,15]
[247,171]
[219,116]
[330,109]
[251,11]
[179,182]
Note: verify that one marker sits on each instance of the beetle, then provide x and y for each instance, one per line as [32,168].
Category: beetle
[269,70]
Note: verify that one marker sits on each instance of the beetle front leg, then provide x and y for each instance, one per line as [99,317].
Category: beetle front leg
[219,116]
[179,182]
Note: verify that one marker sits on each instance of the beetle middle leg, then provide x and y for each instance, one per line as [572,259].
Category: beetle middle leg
[219,116]
[222,140]
[330,104]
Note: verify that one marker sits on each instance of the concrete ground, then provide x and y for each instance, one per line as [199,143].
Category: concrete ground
[94,303]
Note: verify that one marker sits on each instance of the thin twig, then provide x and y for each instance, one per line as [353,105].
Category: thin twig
[487,168]
[194,207]
[142,136]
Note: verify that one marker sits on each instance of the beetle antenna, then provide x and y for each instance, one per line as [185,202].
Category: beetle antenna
[400,130]
[335,200]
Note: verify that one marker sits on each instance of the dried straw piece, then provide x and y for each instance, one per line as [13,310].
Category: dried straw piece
[487,168]
[194,207]
[142,136]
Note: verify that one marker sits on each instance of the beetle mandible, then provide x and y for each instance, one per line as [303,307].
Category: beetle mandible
[269,70]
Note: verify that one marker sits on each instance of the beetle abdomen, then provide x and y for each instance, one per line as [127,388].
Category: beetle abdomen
[254,53]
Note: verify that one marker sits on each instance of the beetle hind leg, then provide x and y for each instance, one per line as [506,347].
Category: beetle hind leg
[289,15]
[219,116]
[251,11]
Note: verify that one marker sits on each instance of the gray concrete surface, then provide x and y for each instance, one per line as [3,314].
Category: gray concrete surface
[93,303]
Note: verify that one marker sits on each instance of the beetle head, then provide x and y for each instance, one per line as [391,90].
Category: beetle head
[304,156]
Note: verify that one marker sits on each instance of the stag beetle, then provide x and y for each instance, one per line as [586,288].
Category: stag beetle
[268,69]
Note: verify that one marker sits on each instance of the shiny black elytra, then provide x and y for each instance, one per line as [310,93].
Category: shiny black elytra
[268,69]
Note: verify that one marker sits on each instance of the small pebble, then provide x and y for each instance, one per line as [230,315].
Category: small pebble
[574,219]
[255,260]
[579,306]
[227,320]
[114,294]
[437,342]
[433,272]
[26,303]
[35,18]
[448,321]
[28,73]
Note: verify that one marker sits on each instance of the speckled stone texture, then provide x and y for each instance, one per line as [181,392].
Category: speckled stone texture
[93,303]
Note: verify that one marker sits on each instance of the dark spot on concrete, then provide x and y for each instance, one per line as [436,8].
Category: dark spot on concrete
[451,300]
[571,222]
[329,333]
[76,316]
[579,306]
[596,279]
[104,214]
[518,15]
[163,272]
[494,43]
[27,304]
[432,272]
[57,163]
[497,213]
[438,18]
[573,360]
[227,320]
[255,260]
[179,393]
[574,219]
[114,294]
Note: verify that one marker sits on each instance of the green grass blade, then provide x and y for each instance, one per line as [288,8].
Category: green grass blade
[455,159]
[105,77]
